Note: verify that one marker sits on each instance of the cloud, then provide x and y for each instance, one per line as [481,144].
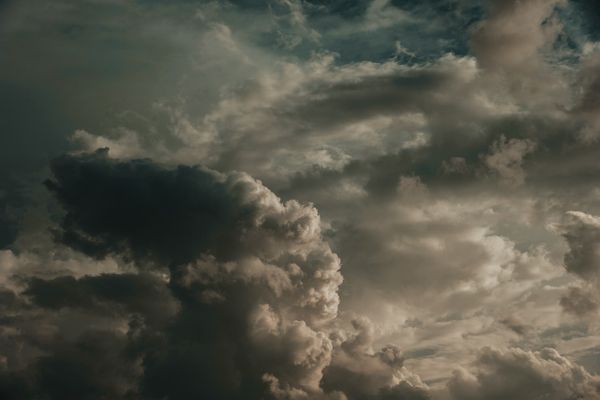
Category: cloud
[515,325]
[441,177]
[362,373]
[519,374]
[588,103]
[144,210]
[189,320]
[232,315]
[582,233]
[106,294]
[513,33]
[506,158]
[517,44]
[580,301]
[97,365]
[422,244]
[333,112]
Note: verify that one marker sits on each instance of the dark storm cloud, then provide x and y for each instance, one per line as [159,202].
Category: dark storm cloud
[10,209]
[156,214]
[242,325]
[106,294]
[231,327]
[97,365]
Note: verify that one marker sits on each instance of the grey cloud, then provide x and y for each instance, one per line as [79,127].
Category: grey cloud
[427,246]
[580,301]
[363,111]
[364,374]
[582,233]
[516,42]
[96,366]
[513,33]
[403,391]
[218,322]
[440,172]
[517,326]
[106,294]
[518,374]
[155,214]
[588,103]
[506,159]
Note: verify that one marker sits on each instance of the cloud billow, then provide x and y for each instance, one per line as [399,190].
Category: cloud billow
[200,323]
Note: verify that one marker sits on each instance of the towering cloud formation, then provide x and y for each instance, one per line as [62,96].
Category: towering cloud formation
[232,296]
[252,276]
[230,293]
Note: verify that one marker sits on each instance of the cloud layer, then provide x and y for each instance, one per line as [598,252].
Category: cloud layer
[344,200]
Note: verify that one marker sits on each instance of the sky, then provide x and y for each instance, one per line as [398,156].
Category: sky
[300,200]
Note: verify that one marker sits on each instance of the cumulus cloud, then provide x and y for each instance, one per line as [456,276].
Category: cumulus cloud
[506,158]
[189,319]
[233,284]
[366,374]
[432,246]
[519,374]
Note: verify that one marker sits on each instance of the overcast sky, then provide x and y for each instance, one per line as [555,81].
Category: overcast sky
[300,200]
